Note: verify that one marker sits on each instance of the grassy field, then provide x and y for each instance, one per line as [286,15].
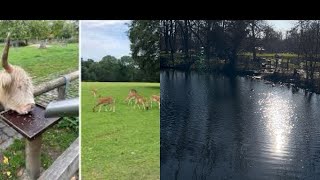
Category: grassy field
[120,145]
[41,64]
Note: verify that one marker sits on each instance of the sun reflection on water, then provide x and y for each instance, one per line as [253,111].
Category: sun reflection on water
[278,115]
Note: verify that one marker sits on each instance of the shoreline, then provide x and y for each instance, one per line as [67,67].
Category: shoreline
[275,78]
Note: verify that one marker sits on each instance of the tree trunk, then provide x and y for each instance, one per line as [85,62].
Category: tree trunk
[42,44]
[207,48]
[186,42]
[312,68]
[307,70]
[166,36]
[254,53]
[232,65]
[172,43]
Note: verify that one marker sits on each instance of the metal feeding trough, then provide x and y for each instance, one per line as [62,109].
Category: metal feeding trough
[29,125]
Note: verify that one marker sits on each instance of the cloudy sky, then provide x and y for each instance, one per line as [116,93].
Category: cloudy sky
[100,38]
[282,25]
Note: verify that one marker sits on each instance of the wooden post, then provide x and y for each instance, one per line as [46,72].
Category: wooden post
[33,163]
[62,92]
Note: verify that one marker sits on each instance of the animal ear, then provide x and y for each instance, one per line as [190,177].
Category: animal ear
[5,80]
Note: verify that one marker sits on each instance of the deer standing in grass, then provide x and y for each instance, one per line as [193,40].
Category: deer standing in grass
[131,96]
[94,92]
[155,98]
[140,100]
[105,101]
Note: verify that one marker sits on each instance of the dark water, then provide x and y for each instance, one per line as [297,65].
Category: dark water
[214,127]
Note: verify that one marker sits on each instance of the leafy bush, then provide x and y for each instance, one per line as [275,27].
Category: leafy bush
[70,122]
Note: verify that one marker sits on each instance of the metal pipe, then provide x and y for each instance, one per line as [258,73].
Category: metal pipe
[63,108]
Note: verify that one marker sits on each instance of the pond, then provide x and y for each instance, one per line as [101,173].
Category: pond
[216,127]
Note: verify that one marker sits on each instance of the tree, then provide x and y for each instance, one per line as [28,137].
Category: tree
[272,40]
[309,44]
[56,28]
[144,38]
[255,28]
[110,68]
[235,33]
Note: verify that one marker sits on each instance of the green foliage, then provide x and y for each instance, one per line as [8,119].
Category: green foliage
[112,69]
[124,144]
[16,159]
[39,29]
[144,36]
[64,29]
[54,142]
[70,122]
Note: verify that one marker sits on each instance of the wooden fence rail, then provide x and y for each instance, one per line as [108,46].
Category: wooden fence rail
[66,165]
[56,83]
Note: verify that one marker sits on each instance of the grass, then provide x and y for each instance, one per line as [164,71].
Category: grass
[120,145]
[40,64]
[55,141]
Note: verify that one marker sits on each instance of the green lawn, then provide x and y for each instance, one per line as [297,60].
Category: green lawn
[41,64]
[120,145]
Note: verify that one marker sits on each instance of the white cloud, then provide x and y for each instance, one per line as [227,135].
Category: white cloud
[282,25]
[102,40]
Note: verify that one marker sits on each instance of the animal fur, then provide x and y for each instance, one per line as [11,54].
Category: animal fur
[155,98]
[131,96]
[105,101]
[16,89]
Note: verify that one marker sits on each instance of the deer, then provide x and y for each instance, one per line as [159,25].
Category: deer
[155,98]
[131,96]
[16,88]
[105,101]
[94,92]
[140,100]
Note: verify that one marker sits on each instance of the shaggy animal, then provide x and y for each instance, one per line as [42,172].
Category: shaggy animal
[16,89]
[155,98]
[141,101]
[131,96]
[105,101]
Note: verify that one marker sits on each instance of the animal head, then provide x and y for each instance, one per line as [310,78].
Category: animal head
[147,104]
[94,91]
[16,89]
[155,98]
[133,92]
